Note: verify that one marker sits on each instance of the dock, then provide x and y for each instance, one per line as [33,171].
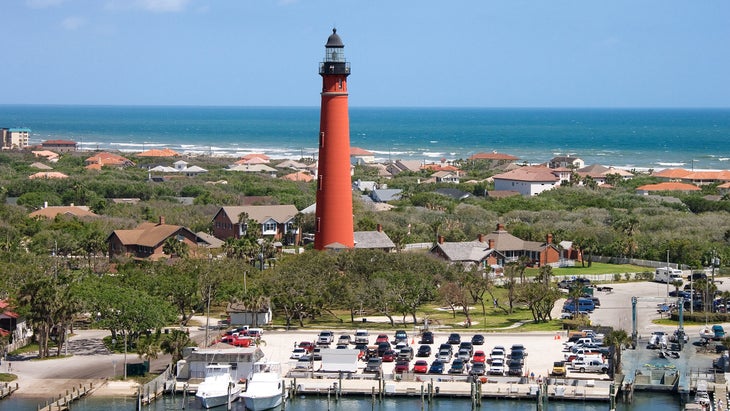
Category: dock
[64,401]
[7,389]
[445,386]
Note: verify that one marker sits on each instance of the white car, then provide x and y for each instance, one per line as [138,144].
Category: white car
[444,356]
[497,367]
[298,353]
[497,354]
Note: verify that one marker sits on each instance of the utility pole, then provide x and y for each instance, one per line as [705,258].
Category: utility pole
[207,318]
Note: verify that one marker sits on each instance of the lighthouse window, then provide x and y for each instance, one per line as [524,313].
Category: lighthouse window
[339,84]
[318,223]
[320,181]
[321,139]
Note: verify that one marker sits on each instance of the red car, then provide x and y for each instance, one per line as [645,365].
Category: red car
[389,356]
[307,345]
[242,341]
[420,367]
[479,356]
[402,366]
[381,338]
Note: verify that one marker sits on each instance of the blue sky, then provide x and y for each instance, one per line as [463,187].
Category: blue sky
[471,53]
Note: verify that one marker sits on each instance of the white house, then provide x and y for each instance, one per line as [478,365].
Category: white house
[528,181]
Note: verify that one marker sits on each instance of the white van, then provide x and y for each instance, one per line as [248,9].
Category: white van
[667,275]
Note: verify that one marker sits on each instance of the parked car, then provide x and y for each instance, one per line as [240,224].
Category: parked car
[463,354]
[374,365]
[468,346]
[437,367]
[317,354]
[362,337]
[427,337]
[383,347]
[307,345]
[405,353]
[478,368]
[325,337]
[446,347]
[344,340]
[424,351]
[479,356]
[457,367]
[298,353]
[402,366]
[401,335]
[444,355]
[497,354]
[420,367]
[477,339]
[304,363]
[381,338]
[389,356]
[514,367]
[454,339]
[517,355]
[497,367]
[558,368]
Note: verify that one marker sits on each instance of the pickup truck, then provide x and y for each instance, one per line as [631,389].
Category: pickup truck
[326,337]
[596,366]
[558,369]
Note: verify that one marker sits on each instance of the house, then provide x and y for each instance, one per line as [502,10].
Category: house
[48,155]
[374,240]
[445,176]
[453,193]
[494,158]
[567,162]
[155,152]
[291,164]
[47,175]
[383,195]
[254,158]
[671,174]
[298,176]
[361,156]
[499,248]
[253,168]
[276,221]
[255,315]
[599,173]
[146,242]
[706,177]
[528,180]
[724,188]
[666,186]
[364,186]
[61,146]
[13,325]
[15,138]
[71,210]
[41,166]
[400,166]
[106,159]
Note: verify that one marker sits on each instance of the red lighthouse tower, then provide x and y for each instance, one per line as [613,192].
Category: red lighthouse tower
[334,188]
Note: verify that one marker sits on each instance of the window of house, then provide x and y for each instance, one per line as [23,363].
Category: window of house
[269,227]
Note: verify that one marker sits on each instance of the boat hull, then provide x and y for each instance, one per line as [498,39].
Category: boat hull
[212,401]
[261,403]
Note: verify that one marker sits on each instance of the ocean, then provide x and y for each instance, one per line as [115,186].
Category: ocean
[642,402]
[628,138]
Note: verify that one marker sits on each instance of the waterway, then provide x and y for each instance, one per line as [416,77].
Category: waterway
[643,401]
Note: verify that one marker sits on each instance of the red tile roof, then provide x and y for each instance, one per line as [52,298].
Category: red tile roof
[493,156]
[669,186]
[530,174]
[155,152]
[672,173]
[357,151]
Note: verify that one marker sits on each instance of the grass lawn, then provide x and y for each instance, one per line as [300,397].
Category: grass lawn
[594,269]
[5,377]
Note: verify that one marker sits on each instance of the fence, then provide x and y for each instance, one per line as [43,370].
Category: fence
[634,261]
[150,391]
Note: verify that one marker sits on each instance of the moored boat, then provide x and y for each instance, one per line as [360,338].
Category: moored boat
[218,386]
[265,387]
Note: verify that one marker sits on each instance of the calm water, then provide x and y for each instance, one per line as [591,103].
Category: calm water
[639,138]
[642,402]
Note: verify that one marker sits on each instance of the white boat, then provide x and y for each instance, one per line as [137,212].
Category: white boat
[217,387]
[706,333]
[265,387]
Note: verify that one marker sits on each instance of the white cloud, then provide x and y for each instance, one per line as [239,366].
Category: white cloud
[73,23]
[163,6]
[42,4]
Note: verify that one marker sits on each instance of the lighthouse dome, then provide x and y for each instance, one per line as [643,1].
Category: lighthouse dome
[334,40]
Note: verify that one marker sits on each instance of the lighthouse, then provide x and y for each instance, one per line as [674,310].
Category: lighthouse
[333,224]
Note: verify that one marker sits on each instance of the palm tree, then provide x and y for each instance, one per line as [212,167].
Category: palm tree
[618,339]
[174,344]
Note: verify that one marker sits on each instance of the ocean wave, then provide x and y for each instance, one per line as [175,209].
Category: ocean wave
[724,158]
[670,164]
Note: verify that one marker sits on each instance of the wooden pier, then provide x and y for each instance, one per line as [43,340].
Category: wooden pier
[7,389]
[64,401]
